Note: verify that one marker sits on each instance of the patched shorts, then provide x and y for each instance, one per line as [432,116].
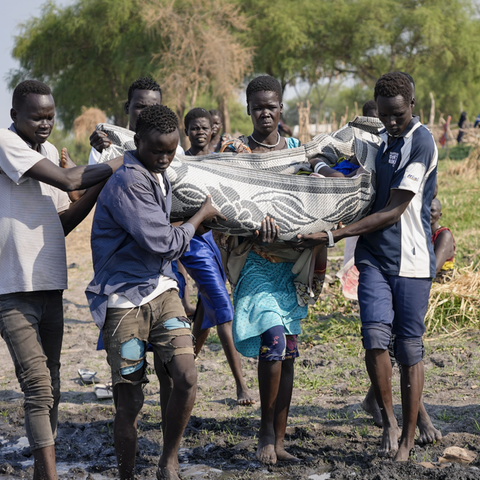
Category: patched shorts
[127,332]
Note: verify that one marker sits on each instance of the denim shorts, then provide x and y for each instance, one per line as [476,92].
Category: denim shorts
[127,332]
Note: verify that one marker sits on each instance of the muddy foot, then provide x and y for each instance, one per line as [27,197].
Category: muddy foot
[370,405]
[389,446]
[266,450]
[284,456]
[244,398]
[403,453]
[164,473]
[428,434]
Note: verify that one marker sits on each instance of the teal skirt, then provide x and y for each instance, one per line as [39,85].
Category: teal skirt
[264,297]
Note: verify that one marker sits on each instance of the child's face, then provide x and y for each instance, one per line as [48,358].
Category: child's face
[199,132]
[265,110]
[217,124]
[156,150]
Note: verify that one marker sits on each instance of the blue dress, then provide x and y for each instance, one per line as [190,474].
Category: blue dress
[265,297]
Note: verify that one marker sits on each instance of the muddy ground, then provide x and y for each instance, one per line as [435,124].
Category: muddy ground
[327,428]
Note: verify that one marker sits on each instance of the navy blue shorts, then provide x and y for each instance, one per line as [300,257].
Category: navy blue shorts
[390,304]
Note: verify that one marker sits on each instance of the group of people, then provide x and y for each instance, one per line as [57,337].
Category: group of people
[140,259]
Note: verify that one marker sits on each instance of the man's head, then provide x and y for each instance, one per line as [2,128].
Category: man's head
[264,103]
[141,94]
[395,102]
[156,137]
[370,109]
[198,127]
[33,111]
[217,122]
[435,211]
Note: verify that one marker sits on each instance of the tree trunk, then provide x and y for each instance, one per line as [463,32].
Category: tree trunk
[223,107]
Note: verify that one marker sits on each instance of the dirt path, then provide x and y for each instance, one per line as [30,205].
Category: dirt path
[327,428]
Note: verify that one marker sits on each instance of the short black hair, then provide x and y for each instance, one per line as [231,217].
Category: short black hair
[392,84]
[195,113]
[156,117]
[264,83]
[370,105]
[143,83]
[23,89]
[216,113]
[410,78]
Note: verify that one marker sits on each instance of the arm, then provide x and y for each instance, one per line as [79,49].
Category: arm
[390,214]
[326,171]
[76,178]
[80,208]
[444,248]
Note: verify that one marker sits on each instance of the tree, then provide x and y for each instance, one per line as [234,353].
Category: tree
[89,53]
[201,50]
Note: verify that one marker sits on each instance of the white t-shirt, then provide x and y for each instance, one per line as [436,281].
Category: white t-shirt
[32,241]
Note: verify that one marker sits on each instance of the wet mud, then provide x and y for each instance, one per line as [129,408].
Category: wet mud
[327,428]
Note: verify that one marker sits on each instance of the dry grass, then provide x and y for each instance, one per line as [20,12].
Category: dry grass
[455,304]
[85,124]
[470,166]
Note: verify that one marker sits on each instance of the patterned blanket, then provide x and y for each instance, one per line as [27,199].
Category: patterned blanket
[247,187]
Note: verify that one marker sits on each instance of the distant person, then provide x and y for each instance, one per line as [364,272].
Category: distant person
[35,217]
[133,296]
[198,128]
[370,109]
[218,139]
[443,242]
[462,125]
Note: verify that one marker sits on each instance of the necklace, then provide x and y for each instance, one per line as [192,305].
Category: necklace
[264,144]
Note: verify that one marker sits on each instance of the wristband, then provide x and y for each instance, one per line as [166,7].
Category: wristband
[331,241]
[318,166]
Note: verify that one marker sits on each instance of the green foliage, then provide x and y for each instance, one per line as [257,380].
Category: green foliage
[458,152]
[78,149]
[89,53]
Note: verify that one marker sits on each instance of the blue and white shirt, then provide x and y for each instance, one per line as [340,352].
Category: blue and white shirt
[407,162]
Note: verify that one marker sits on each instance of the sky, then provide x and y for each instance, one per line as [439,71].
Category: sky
[13,13]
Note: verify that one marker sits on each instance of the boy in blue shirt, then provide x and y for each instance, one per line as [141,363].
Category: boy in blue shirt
[133,296]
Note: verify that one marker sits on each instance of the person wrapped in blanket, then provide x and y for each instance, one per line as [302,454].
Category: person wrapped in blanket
[269,300]
[204,264]
[443,243]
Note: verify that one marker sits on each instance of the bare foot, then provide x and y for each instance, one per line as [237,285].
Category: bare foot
[266,450]
[370,405]
[65,160]
[244,397]
[389,444]
[284,456]
[428,433]
[403,452]
[164,473]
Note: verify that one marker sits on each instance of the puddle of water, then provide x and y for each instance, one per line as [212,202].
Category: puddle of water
[323,476]
[20,444]
[198,471]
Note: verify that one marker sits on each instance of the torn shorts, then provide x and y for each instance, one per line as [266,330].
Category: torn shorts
[127,332]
